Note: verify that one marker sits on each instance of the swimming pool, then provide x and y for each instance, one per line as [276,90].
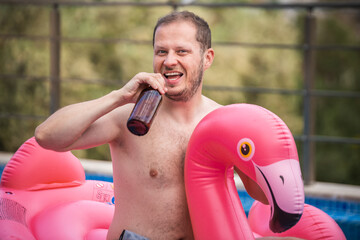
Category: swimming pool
[346,213]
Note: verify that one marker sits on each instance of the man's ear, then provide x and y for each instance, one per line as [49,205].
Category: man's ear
[208,58]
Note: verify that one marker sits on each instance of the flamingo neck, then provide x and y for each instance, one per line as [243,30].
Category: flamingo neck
[214,204]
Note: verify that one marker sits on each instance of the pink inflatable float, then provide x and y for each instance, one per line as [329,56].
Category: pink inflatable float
[259,144]
[44,194]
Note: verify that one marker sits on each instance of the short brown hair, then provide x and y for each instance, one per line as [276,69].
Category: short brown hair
[203,33]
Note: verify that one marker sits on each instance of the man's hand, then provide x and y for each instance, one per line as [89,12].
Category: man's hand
[131,91]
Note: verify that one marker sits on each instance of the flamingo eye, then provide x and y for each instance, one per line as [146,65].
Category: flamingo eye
[246,149]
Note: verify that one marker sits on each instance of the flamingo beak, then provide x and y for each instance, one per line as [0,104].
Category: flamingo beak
[284,189]
[281,220]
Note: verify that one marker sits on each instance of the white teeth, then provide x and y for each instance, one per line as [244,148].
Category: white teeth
[172,74]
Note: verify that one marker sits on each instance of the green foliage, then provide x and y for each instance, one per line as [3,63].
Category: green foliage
[338,163]
[335,116]
[21,95]
[90,68]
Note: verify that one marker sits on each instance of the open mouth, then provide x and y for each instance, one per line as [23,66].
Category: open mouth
[173,76]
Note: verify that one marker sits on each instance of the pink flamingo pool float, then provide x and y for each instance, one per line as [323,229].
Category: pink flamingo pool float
[44,194]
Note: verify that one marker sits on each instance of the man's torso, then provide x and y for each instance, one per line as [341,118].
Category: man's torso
[148,174]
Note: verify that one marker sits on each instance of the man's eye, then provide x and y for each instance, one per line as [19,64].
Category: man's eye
[182,51]
[161,52]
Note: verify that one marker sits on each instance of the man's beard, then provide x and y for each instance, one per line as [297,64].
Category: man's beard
[191,88]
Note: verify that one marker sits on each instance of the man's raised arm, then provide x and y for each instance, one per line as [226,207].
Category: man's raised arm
[87,124]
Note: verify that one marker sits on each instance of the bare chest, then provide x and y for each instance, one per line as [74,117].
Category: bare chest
[149,185]
[156,158]
[166,156]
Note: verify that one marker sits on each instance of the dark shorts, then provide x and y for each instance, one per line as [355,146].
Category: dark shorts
[128,235]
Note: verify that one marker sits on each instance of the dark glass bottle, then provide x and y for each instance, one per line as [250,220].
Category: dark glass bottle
[144,111]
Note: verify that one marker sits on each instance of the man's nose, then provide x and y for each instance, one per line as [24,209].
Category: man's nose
[170,60]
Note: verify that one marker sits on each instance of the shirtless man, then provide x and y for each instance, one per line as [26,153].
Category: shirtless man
[148,171]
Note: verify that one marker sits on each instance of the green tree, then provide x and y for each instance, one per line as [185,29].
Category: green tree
[338,116]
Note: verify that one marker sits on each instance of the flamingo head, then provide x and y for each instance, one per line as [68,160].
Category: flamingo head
[267,154]
[259,144]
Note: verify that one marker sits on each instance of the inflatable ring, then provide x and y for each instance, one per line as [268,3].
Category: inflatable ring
[259,144]
[44,194]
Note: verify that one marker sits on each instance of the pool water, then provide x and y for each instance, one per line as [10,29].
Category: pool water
[345,213]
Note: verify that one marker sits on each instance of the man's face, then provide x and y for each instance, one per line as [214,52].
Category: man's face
[178,57]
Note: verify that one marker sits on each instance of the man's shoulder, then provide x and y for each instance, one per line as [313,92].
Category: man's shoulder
[210,104]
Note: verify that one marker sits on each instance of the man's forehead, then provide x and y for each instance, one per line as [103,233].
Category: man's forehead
[176,29]
[177,25]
